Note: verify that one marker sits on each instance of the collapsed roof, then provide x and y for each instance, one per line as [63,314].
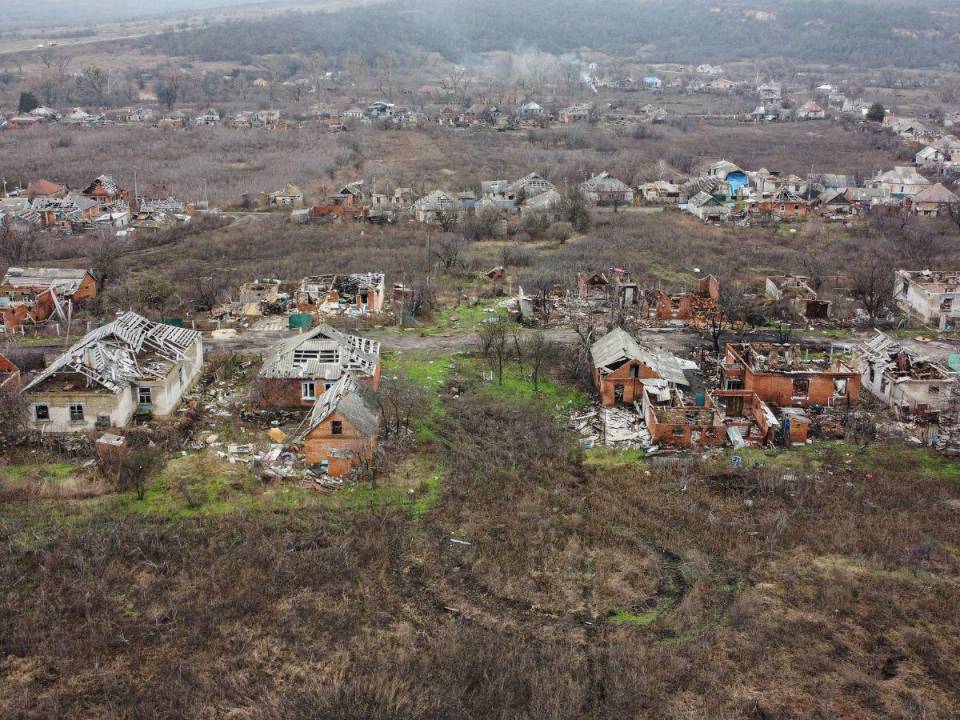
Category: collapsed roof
[617,347]
[122,352]
[348,398]
[65,281]
[324,352]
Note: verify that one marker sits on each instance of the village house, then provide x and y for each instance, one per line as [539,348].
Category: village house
[33,295]
[530,109]
[901,182]
[105,191]
[575,113]
[689,304]
[783,203]
[9,374]
[306,365]
[706,207]
[660,191]
[721,85]
[437,208]
[73,211]
[547,204]
[332,294]
[620,365]
[795,292]
[811,111]
[605,191]
[770,92]
[930,297]
[747,419]
[785,375]
[933,201]
[208,118]
[910,384]
[342,430]
[289,197]
[45,189]
[128,367]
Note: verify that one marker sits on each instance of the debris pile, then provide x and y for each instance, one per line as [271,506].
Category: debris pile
[617,427]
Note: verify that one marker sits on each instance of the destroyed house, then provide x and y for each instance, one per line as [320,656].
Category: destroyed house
[620,365]
[260,291]
[675,420]
[342,428]
[794,291]
[67,211]
[597,287]
[747,419]
[359,293]
[689,305]
[929,296]
[33,295]
[787,376]
[9,373]
[105,191]
[306,365]
[910,384]
[604,190]
[129,367]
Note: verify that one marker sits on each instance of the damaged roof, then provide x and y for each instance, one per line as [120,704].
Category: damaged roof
[324,352]
[349,399]
[617,346]
[64,280]
[111,356]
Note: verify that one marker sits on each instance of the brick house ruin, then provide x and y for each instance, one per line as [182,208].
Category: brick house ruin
[786,376]
[33,295]
[620,365]
[359,293]
[128,367]
[342,429]
[305,366]
[689,305]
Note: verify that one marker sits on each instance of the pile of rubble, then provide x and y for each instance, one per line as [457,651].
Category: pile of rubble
[615,427]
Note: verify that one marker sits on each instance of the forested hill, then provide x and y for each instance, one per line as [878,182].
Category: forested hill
[921,33]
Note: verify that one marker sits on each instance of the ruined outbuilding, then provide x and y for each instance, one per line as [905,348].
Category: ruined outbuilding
[33,295]
[691,305]
[795,292]
[674,419]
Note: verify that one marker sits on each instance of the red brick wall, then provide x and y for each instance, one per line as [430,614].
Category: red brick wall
[632,387]
[320,444]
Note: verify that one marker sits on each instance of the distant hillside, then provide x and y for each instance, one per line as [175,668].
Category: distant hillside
[18,14]
[862,32]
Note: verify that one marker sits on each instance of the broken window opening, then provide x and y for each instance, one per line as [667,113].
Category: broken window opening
[336,427]
[76,413]
[41,412]
[618,392]
[801,387]
[145,395]
[308,390]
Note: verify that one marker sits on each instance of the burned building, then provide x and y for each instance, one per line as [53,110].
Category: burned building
[907,382]
[128,367]
[689,304]
[674,419]
[354,294]
[613,286]
[795,292]
[306,365]
[620,365]
[788,376]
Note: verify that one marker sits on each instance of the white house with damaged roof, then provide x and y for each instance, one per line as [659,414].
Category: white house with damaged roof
[605,190]
[128,367]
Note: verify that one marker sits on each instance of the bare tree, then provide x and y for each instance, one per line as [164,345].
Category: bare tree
[137,467]
[446,249]
[14,414]
[403,402]
[16,242]
[494,344]
[872,285]
[541,286]
[537,349]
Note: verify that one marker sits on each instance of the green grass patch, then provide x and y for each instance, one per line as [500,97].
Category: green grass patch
[622,617]
[463,318]
[50,472]
[606,458]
